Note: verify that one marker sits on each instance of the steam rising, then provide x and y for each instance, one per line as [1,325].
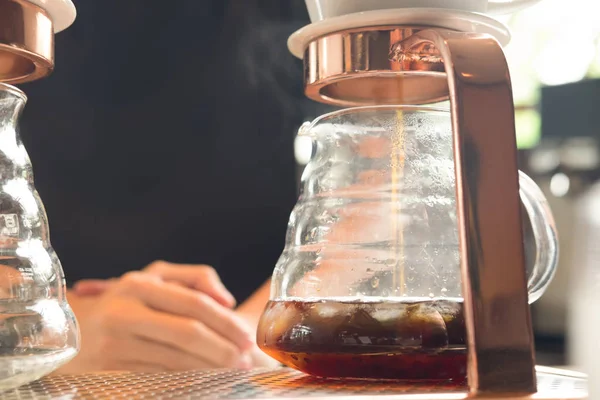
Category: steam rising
[269,64]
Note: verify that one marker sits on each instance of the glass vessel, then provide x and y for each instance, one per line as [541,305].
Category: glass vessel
[369,282]
[38,331]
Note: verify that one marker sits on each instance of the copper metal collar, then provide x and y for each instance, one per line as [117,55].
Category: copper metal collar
[362,66]
[26,42]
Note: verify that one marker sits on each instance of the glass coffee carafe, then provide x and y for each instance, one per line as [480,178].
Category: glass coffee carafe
[38,331]
[369,282]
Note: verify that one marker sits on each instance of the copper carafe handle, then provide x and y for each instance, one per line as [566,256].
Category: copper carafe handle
[498,322]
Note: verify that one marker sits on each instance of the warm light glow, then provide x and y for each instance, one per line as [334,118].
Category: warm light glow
[528,125]
[553,42]
[560,185]
[553,69]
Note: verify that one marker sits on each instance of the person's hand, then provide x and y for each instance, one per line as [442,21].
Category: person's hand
[199,277]
[146,321]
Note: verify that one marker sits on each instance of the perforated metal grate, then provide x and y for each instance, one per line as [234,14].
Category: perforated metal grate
[265,384]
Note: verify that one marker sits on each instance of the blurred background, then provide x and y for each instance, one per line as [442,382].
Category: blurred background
[155,115]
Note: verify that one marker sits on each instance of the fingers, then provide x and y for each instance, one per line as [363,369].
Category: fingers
[92,287]
[200,277]
[149,354]
[190,336]
[179,300]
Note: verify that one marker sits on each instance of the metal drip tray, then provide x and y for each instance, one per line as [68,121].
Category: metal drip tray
[280,383]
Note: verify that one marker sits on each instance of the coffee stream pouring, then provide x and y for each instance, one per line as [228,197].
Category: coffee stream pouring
[38,331]
[405,256]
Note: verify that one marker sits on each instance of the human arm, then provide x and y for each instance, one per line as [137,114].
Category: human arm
[143,322]
[104,331]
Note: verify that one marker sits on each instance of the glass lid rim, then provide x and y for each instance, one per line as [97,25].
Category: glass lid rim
[309,125]
[13,90]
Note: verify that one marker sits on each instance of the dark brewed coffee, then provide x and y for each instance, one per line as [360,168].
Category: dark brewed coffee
[411,341]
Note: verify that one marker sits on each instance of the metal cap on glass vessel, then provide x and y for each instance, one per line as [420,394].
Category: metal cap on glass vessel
[355,59]
[27,31]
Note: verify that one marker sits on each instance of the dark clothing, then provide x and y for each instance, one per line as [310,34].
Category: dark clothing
[166,132]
